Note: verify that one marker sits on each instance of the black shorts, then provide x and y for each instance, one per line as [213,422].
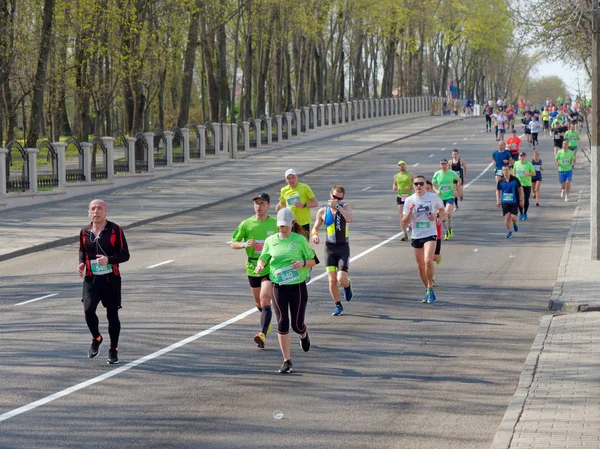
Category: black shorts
[536,178]
[420,243]
[513,208]
[256,281]
[558,142]
[399,201]
[527,131]
[337,256]
[105,289]
[546,124]
[438,246]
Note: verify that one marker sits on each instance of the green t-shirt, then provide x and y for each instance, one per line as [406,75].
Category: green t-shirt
[573,138]
[520,169]
[402,182]
[445,183]
[302,193]
[281,252]
[565,160]
[253,229]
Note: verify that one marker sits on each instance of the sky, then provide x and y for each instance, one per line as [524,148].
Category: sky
[574,78]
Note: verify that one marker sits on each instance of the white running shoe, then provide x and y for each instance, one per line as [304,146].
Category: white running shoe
[562,193]
[566,198]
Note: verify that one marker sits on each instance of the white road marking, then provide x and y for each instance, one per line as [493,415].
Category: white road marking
[431,155]
[159,264]
[465,138]
[366,188]
[36,299]
[454,143]
[443,149]
[415,164]
[179,344]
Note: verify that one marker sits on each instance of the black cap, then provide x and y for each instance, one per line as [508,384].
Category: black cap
[444,161]
[522,153]
[262,196]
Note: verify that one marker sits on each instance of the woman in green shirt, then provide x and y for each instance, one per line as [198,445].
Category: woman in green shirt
[290,258]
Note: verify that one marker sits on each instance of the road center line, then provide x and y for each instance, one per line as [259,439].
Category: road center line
[159,264]
[366,188]
[415,164]
[179,344]
[36,299]
[431,155]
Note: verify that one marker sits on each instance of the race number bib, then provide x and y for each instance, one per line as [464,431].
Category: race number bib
[566,162]
[100,270]
[292,199]
[537,167]
[286,275]
[423,224]
[403,197]
[508,197]
[520,172]
[445,188]
[258,246]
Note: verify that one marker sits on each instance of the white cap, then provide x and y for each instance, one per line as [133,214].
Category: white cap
[285,217]
[290,171]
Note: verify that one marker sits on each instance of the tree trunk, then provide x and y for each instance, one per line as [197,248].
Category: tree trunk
[188,69]
[37,101]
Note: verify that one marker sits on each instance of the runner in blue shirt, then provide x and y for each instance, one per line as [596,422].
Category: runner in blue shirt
[509,194]
[501,158]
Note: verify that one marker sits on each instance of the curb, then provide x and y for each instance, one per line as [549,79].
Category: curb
[68,240]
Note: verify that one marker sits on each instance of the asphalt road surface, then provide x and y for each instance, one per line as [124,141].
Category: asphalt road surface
[389,373]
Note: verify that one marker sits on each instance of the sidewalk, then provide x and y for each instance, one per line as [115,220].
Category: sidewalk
[29,229]
[557,402]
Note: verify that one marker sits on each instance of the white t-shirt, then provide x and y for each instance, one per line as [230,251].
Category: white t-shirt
[534,126]
[425,205]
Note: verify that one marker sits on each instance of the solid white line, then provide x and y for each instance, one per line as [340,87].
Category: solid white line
[36,299]
[480,174]
[179,344]
[415,164]
[366,188]
[159,264]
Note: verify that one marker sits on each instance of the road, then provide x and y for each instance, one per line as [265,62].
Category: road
[390,373]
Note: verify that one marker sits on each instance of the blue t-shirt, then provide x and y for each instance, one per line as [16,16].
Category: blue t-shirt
[553,115]
[509,189]
[500,157]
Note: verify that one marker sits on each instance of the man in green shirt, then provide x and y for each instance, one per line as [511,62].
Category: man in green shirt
[564,160]
[444,181]
[572,137]
[299,198]
[251,235]
[524,171]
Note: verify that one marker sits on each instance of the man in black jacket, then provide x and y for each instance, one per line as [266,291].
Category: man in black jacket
[102,247]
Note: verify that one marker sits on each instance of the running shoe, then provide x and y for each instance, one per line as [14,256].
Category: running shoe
[525,217]
[425,298]
[348,291]
[260,340]
[533,194]
[286,367]
[515,227]
[562,193]
[305,343]
[431,298]
[537,204]
[520,217]
[439,260]
[338,310]
[450,233]
[447,236]
[508,235]
[93,352]
[113,356]
[566,198]
[404,237]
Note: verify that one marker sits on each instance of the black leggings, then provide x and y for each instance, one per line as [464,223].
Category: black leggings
[534,138]
[294,297]
[114,325]
[526,194]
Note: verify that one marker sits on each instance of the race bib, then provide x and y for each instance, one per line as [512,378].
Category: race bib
[566,162]
[513,146]
[537,167]
[286,275]
[444,188]
[100,270]
[258,246]
[423,224]
[520,172]
[508,197]
[403,197]
[292,199]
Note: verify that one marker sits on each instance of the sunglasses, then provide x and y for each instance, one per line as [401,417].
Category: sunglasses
[336,197]
[419,183]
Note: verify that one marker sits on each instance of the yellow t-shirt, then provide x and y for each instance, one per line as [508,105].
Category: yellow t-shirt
[302,193]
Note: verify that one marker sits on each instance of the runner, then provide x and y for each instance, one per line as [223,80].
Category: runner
[500,158]
[489,112]
[537,179]
[510,116]
[564,160]
[524,171]
[525,123]
[558,132]
[289,256]
[336,216]
[422,209]
[437,256]
[572,137]
[509,194]
[460,168]
[443,184]
[546,120]
[299,198]
[534,127]
[514,145]
[502,123]
[403,185]
[250,235]
[102,247]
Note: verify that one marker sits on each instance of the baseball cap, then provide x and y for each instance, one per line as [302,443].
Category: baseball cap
[290,171]
[262,196]
[285,217]
[401,163]
[444,161]
[514,130]
[522,153]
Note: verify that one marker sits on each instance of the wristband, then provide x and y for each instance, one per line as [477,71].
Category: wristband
[304,205]
[315,233]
